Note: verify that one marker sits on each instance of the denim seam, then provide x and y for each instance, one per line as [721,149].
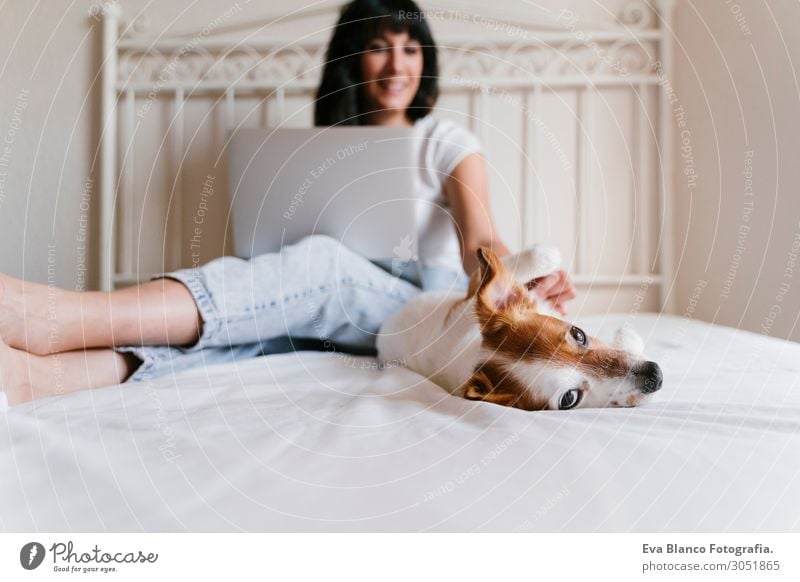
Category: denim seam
[212,322]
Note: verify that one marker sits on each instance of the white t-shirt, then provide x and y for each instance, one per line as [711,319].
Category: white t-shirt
[442,145]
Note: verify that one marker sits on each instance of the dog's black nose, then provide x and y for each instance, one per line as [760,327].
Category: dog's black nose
[649,377]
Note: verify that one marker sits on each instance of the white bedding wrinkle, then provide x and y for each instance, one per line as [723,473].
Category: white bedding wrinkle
[325,442]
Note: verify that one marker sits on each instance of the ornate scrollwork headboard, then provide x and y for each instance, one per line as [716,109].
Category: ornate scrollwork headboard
[512,68]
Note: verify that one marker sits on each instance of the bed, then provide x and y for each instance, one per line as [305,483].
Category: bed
[317,441]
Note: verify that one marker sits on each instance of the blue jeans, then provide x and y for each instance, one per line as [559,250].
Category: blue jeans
[315,294]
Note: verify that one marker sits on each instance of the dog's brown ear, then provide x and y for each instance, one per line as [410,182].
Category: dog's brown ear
[496,288]
[478,386]
[481,387]
[496,291]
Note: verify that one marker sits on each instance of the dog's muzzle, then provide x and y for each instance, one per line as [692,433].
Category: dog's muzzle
[648,377]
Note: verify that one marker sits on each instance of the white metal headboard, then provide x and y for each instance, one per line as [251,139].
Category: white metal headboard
[635,54]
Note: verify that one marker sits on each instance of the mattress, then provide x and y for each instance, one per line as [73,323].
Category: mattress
[316,441]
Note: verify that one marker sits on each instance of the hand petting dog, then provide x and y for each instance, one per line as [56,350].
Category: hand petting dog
[555,288]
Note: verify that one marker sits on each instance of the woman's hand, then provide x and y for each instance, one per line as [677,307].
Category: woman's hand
[556,288]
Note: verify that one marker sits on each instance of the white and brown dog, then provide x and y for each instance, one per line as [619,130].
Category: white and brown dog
[498,344]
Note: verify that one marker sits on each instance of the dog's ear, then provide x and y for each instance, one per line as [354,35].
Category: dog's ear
[497,296]
[481,387]
[496,288]
[505,393]
[478,386]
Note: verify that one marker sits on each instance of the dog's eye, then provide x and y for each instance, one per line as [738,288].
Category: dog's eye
[578,335]
[570,399]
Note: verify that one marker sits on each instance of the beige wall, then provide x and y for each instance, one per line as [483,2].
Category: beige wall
[729,81]
[738,242]
[47,62]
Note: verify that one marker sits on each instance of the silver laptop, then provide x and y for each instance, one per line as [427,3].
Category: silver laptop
[355,184]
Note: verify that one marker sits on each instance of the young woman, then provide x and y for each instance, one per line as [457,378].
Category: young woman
[381,70]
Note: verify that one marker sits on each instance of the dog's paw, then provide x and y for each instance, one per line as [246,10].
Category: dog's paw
[537,261]
[628,340]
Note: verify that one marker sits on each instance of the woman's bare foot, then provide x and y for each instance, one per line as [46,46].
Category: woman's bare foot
[31,315]
[15,375]
[42,320]
[25,377]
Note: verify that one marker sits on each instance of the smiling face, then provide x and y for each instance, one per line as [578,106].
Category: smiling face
[391,66]
[536,362]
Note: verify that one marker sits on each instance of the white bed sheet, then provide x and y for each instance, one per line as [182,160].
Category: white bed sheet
[321,442]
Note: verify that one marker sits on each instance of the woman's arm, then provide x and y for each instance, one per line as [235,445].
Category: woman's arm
[467,189]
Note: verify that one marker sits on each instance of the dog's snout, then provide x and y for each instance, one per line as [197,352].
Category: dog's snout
[649,377]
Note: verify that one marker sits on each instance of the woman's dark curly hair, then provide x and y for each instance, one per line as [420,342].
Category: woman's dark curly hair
[339,99]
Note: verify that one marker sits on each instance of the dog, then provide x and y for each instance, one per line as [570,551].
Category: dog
[499,344]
